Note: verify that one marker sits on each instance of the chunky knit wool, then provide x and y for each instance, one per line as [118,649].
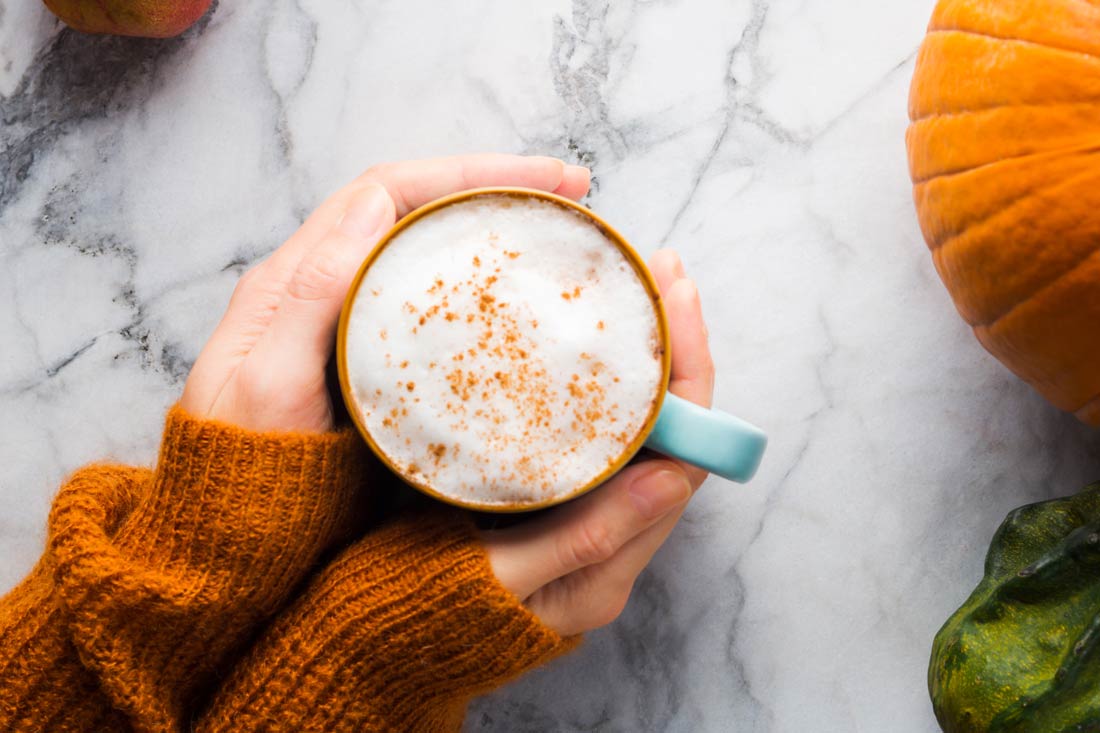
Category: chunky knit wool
[212,594]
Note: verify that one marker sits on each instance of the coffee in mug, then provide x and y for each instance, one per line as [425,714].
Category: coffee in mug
[505,349]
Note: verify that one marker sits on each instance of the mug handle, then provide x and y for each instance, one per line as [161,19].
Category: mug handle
[724,445]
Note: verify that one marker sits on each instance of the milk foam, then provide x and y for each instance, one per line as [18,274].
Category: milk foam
[503,350]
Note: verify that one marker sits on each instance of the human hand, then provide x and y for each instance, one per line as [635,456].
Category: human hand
[575,567]
[264,366]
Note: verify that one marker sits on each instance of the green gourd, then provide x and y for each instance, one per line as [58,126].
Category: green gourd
[1022,655]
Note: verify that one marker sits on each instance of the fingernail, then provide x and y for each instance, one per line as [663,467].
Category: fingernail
[656,494]
[678,266]
[367,212]
[577,170]
[687,286]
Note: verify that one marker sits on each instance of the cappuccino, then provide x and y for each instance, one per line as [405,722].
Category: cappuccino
[503,351]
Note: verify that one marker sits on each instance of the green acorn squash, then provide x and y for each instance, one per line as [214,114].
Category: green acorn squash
[1022,655]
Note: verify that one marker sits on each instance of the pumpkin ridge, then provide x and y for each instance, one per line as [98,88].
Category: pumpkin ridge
[1057,152]
[1011,39]
[1063,275]
[941,244]
[994,107]
[1003,150]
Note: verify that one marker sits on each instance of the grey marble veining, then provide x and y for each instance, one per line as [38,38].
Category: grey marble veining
[762,138]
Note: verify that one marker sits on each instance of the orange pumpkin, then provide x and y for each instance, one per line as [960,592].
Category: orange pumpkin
[1004,153]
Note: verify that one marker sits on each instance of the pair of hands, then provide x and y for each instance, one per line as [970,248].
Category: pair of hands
[264,369]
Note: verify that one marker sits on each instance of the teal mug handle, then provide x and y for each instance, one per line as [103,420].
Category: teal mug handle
[724,445]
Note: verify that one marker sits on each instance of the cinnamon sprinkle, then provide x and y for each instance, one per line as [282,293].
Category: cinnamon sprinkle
[498,382]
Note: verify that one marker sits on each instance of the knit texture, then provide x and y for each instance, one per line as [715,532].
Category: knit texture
[398,633]
[194,597]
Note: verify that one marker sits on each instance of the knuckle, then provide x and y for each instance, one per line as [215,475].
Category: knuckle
[708,364]
[255,298]
[260,386]
[316,278]
[590,544]
[247,282]
[377,172]
[611,607]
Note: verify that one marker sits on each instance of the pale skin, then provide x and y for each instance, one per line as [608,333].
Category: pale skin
[264,369]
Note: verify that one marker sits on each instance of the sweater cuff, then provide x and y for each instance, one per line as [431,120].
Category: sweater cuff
[161,586]
[439,612]
[254,505]
[398,632]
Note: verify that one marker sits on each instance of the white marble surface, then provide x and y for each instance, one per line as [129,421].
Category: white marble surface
[764,138]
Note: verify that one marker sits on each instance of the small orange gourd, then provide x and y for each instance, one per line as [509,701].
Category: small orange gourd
[1004,153]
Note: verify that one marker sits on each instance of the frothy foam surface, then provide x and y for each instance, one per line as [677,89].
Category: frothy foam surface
[503,350]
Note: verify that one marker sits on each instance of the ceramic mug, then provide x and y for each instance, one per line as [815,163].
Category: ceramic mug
[718,442]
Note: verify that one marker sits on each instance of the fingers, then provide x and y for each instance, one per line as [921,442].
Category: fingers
[596,595]
[588,531]
[280,266]
[304,325]
[414,183]
[692,366]
[310,262]
[667,268]
[301,286]
[575,182]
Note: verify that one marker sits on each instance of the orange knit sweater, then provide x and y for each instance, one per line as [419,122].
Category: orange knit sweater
[227,591]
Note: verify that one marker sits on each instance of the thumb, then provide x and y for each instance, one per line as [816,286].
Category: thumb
[587,531]
[305,322]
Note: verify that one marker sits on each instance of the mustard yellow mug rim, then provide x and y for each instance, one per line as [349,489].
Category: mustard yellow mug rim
[628,251]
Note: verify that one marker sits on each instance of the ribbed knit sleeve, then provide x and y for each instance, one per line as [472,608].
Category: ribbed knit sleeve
[398,633]
[152,581]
